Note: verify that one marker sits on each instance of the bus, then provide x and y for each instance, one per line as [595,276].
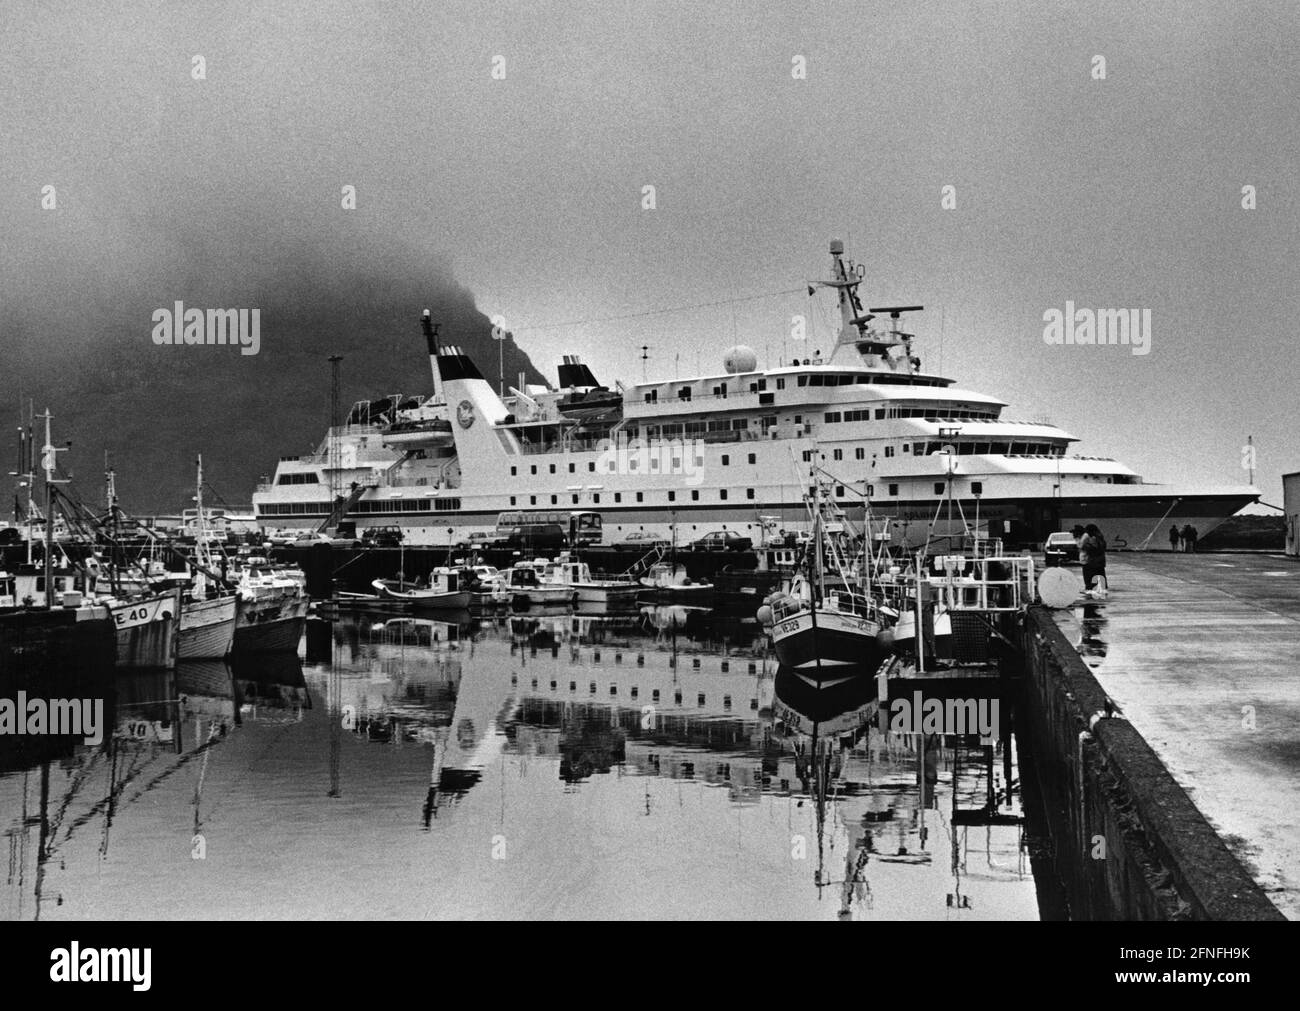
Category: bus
[582,528]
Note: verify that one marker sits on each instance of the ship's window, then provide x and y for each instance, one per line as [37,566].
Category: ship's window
[575,500]
[695,495]
[512,500]
[591,466]
[555,499]
[514,471]
[977,487]
[807,455]
[780,384]
[762,384]
[839,491]
[753,458]
[672,496]
[572,468]
[860,453]
[803,380]
[534,468]
[839,454]
[880,413]
[893,489]
[532,500]
[907,448]
[552,468]
[889,451]
[749,493]
[798,419]
[684,393]
[871,490]
[918,449]
[938,487]
[726,460]
[618,496]
[640,497]
[722,494]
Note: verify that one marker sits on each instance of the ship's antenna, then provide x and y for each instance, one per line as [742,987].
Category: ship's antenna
[645,357]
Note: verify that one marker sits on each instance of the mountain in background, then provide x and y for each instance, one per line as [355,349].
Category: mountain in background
[86,353]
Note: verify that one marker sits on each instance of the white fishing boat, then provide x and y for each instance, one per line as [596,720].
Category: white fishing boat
[669,582]
[208,611]
[527,588]
[443,590]
[587,589]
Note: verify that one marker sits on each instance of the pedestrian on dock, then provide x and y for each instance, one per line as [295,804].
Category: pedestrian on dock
[1092,556]
[1196,536]
[1189,543]
[1175,540]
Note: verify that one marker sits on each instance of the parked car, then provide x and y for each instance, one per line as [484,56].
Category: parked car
[723,540]
[1060,548]
[381,537]
[642,541]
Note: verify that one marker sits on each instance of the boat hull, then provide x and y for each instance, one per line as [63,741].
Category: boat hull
[147,631]
[833,640]
[207,629]
[271,625]
[624,593]
[537,595]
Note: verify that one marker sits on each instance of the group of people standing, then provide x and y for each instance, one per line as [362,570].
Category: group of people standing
[1092,556]
[1184,539]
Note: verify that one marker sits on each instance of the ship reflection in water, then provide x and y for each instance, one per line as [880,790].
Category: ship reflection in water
[540,765]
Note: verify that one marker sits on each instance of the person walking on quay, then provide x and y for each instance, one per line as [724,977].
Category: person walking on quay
[1196,536]
[1092,556]
[1188,543]
[1174,539]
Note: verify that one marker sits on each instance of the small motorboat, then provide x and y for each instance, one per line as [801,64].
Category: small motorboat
[527,588]
[444,590]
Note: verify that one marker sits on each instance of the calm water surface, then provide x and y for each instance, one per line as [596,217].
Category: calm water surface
[654,764]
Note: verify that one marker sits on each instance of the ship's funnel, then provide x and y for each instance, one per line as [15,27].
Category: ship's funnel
[431,341]
[576,376]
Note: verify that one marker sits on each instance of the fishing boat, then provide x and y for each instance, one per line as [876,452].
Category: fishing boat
[820,632]
[588,589]
[668,582]
[208,611]
[271,613]
[527,588]
[444,590]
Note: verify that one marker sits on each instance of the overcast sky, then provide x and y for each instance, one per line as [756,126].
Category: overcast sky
[1116,193]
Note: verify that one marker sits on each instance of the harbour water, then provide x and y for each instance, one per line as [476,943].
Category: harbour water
[652,764]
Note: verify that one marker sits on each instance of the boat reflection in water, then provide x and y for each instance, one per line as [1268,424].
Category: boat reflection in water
[646,764]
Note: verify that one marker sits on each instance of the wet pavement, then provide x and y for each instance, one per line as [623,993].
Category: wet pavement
[651,765]
[1202,654]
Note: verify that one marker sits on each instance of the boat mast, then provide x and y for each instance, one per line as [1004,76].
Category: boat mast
[110,496]
[49,462]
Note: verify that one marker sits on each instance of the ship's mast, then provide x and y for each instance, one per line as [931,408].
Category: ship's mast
[49,462]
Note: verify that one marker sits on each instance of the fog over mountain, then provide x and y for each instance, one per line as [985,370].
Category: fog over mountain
[78,338]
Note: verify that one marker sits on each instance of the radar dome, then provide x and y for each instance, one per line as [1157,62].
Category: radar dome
[740,359]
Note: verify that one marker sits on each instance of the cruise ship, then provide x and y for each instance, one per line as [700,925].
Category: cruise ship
[734,450]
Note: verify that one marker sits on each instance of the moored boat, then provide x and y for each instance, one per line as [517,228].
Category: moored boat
[588,589]
[527,588]
[207,630]
[271,614]
[444,590]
